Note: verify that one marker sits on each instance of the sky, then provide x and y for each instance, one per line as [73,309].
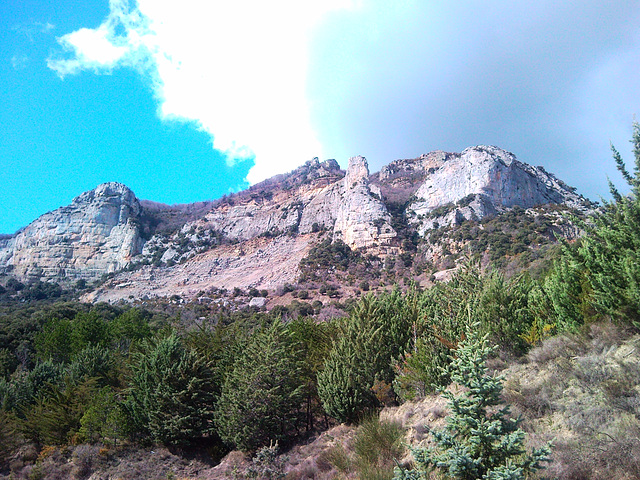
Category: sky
[187,101]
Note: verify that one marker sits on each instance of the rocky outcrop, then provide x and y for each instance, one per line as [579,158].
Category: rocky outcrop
[97,234]
[362,219]
[348,207]
[482,181]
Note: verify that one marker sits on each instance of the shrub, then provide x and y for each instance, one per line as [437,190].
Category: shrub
[95,361]
[55,419]
[8,438]
[375,333]
[104,419]
[378,445]
[266,464]
[420,371]
[23,389]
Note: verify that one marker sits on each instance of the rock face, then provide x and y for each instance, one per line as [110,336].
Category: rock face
[482,181]
[257,238]
[349,207]
[362,219]
[96,234]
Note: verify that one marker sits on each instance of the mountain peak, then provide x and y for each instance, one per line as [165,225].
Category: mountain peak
[108,189]
[357,171]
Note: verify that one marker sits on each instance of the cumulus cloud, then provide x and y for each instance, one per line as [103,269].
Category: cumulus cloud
[237,69]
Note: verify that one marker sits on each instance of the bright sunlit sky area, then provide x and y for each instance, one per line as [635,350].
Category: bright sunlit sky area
[186,101]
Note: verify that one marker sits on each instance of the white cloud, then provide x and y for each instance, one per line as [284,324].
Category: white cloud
[92,48]
[238,69]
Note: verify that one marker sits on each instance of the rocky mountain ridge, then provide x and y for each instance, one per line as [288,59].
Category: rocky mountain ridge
[266,230]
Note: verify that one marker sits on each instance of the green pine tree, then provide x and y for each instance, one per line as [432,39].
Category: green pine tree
[357,357]
[263,397]
[480,441]
[610,252]
[172,393]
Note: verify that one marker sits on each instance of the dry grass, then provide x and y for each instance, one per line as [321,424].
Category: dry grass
[583,394]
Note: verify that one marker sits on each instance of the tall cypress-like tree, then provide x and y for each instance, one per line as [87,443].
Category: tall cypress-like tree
[263,397]
[610,252]
[480,441]
[375,333]
[345,383]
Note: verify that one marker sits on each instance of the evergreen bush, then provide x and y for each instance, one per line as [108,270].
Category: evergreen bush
[263,396]
[610,252]
[375,333]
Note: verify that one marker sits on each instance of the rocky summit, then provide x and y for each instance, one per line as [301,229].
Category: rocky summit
[98,233]
[257,237]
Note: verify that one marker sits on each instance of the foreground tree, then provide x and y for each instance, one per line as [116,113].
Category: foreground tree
[610,252]
[172,393]
[263,397]
[480,440]
[376,332]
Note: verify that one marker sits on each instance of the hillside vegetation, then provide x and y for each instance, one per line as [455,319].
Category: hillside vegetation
[118,392]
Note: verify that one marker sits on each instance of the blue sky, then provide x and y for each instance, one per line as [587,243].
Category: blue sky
[186,101]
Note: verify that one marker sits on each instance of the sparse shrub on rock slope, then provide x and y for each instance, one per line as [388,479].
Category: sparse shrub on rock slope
[581,392]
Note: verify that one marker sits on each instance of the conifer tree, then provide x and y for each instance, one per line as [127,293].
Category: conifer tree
[344,385]
[263,397]
[480,440]
[172,393]
[359,354]
[610,252]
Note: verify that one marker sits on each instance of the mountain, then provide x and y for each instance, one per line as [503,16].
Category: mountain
[98,233]
[258,237]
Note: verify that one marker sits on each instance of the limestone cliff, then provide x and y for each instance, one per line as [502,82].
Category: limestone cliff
[480,181]
[257,237]
[322,201]
[97,234]
[362,219]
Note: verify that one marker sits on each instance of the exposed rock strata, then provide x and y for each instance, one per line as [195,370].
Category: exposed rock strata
[97,234]
[482,181]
